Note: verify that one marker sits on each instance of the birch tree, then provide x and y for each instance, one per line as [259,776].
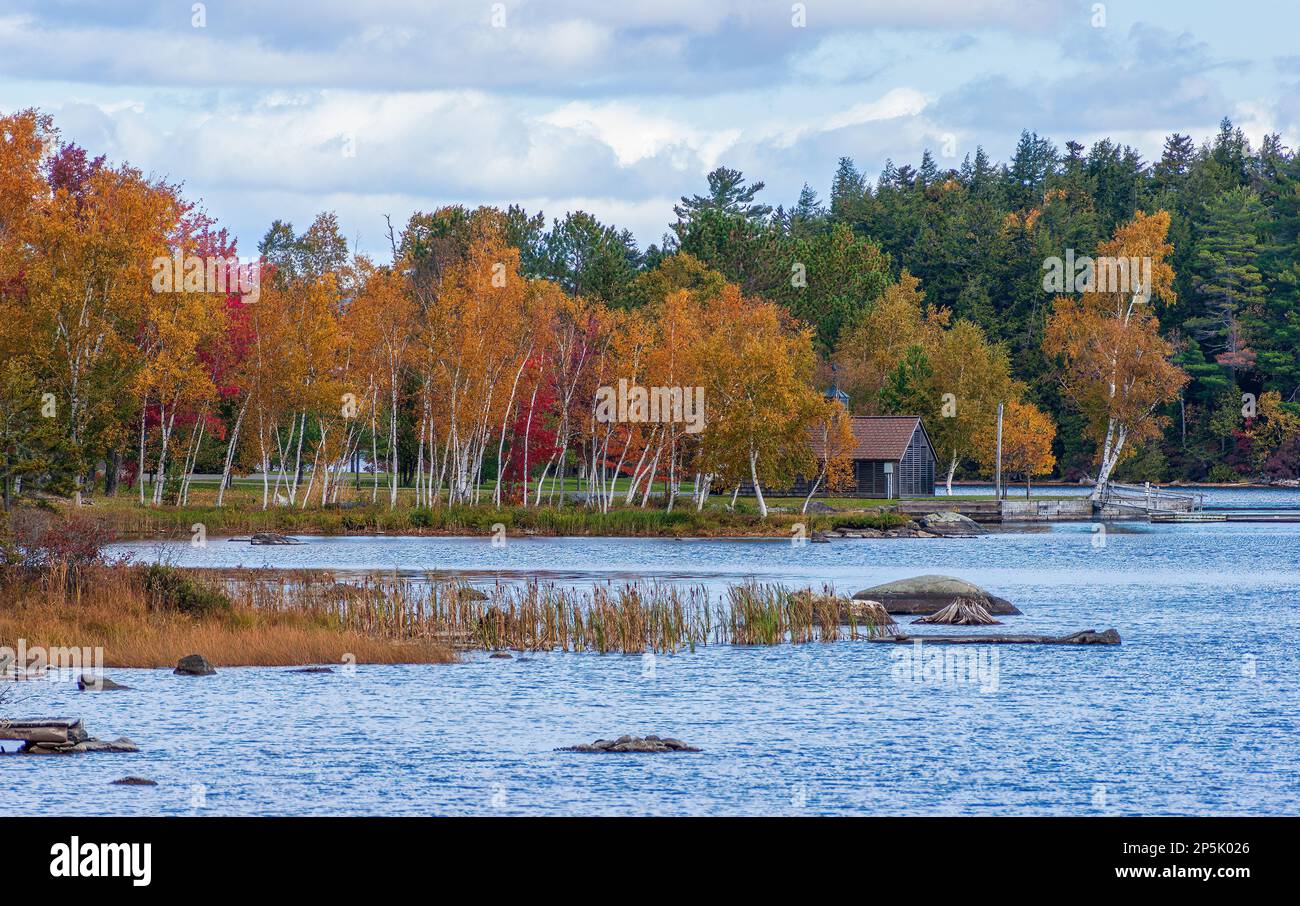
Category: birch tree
[1114,365]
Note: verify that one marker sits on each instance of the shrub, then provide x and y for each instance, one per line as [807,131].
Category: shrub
[1222,473]
[41,539]
[1285,461]
[169,588]
[878,521]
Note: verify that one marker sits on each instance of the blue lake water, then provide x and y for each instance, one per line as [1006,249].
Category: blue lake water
[1195,713]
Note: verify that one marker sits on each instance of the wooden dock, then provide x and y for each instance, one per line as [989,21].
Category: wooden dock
[1230,516]
[1188,517]
[1121,502]
[978,510]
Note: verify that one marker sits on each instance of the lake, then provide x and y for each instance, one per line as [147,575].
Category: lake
[1195,713]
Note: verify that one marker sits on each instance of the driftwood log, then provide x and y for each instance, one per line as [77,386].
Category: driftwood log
[61,731]
[1084,637]
[58,736]
[962,612]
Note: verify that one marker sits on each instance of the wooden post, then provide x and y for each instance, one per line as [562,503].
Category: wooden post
[998,476]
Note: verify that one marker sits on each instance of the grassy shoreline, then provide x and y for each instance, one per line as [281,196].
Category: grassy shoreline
[151,617]
[127,520]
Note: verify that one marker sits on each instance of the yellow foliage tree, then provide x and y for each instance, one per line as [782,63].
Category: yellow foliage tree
[1027,435]
[1114,365]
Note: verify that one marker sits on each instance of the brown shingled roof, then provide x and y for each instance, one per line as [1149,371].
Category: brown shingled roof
[877,436]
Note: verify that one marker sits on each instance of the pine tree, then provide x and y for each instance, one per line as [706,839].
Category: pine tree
[727,194]
[1227,281]
[1277,329]
[850,196]
[1026,177]
[928,175]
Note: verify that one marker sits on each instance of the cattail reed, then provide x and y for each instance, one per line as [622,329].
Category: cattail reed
[631,618]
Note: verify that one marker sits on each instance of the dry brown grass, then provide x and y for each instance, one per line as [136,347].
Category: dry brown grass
[108,608]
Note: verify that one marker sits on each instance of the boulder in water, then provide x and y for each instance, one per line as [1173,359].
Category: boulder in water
[650,743]
[89,682]
[930,594]
[194,665]
[272,538]
[1091,637]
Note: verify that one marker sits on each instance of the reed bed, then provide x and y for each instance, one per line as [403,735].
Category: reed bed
[149,616]
[759,614]
[630,618]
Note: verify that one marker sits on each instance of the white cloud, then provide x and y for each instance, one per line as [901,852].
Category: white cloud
[634,133]
[616,108]
[898,102]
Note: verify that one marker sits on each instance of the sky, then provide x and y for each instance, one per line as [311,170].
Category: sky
[266,110]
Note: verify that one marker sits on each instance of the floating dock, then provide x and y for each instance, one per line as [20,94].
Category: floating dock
[1121,502]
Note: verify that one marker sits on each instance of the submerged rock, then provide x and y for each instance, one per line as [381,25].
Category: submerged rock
[930,594]
[650,743]
[1091,637]
[89,682]
[272,538]
[194,665]
[121,744]
[135,781]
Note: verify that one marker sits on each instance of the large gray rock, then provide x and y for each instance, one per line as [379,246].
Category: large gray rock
[194,665]
[91,682]
[950,525]
[930,594]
